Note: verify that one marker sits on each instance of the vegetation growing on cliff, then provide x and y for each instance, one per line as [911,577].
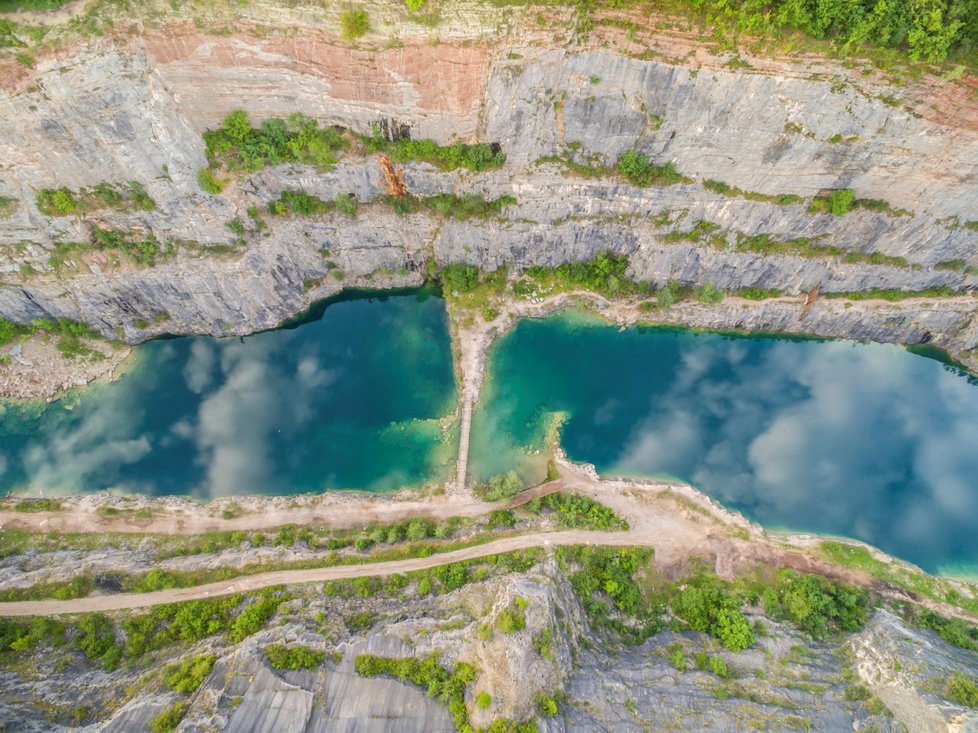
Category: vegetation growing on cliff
[236,146]
[69,334]
[474,157]
[294,657]
[632,166]
[64,201]
[578,512]
[725,189]
[354,24]
[141,249]
[926,31]
[438,681]
[8,206]
[843,200]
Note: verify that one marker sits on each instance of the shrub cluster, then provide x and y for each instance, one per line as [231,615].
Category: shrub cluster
[639,170]
[501,487]
[67,331]
[607,574]
[188,674]
[578,512]
[294,657]
[707,606]
[64,201]
[448,686]
[927,31]
[238,147]
[816,604]
[605,274]
[474,157]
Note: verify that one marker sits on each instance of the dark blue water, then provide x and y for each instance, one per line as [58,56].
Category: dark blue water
[862,440]
[349,399]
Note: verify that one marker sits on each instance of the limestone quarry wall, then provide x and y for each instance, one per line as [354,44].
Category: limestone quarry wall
[134,109]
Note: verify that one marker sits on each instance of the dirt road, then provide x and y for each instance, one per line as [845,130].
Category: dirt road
[678,523]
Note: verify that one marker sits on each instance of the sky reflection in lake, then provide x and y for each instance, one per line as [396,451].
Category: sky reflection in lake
[862,440]
[350,400]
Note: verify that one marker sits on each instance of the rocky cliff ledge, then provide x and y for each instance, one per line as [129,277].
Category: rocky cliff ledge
[131,106]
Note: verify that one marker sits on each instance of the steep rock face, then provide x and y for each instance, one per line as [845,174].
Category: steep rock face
[135,111]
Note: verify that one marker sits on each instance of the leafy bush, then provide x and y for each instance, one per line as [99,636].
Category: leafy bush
[20,636]
[839,203]
[579,512]
[56,202]
[706,606]
[502,486]
[254,617]
[547,705]
[354,24]
[953,631]
[639,170]
[153,580]
[605,274]
[671,294]
[95,638]
[816,604]
[169,719]
[188,674]
[512,618]
[294,657]
[476,157]
[483,700]
[709,294]
[237,146]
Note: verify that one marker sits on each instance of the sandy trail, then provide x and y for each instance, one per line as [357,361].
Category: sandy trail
[338,510]
[677,522]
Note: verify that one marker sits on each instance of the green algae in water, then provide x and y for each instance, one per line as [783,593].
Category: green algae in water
[352,396]
[859,440]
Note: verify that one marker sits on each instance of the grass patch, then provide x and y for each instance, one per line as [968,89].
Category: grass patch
[725,189]
[939,291]
[354,24]
[38,505]
[759,293]
[860,558]
[69,334]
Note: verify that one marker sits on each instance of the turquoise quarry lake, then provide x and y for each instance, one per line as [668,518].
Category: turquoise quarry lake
[860,440]
[863,440]
[349,398]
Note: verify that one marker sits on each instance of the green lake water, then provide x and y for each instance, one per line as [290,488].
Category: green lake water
[350,397]
[862,440]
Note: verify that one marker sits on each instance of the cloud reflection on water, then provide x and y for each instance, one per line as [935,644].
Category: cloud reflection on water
[862,440]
